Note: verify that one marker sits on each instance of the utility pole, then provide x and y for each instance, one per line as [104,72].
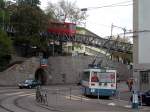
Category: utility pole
[124,31]
[111,29]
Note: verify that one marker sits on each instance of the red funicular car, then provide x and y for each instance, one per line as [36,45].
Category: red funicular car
[62,28]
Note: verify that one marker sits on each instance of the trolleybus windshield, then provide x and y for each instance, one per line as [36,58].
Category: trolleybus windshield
[85,76]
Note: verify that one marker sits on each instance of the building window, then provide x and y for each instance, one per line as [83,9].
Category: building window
[144,77]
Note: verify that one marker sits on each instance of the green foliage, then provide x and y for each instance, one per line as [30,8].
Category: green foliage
[29,20]
[5,44]
[32,41]
[5,49]
[28,2]
[39,42]
[2,4]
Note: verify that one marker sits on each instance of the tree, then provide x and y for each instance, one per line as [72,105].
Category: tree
[2,4]
[5,49]
[28,2]
[5,44]
[28,20]
[65,11]
[5,12]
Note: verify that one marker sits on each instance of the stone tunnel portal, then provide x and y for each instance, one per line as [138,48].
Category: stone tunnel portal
[40,75]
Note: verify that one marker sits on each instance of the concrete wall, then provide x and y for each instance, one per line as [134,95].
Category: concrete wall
[19,72]
[60,70]
[69,69]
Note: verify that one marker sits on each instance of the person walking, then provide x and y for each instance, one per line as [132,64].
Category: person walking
[130,84]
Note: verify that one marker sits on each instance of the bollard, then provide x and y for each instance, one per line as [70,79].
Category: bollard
[81,95]
[56,95]
[70,93]
[118,94]
[135,101]
[98,94]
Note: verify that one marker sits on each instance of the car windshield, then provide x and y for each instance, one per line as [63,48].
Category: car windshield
[28,81]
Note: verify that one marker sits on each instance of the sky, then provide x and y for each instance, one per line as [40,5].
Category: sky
[100,20]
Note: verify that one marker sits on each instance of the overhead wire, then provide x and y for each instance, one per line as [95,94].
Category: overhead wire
[111,5]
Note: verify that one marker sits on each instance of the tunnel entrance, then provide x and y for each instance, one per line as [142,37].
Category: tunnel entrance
[40,75]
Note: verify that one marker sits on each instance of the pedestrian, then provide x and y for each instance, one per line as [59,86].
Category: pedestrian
[130,84]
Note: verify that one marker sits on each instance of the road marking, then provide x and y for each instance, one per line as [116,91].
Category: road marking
[67,97]
[27,94]
[73,97]
[20,94]
[127,106]
[80,97]
[16,93]
[112,104]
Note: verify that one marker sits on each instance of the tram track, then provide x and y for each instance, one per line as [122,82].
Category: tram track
[8,95]
[24,96]
[15,102]
[48,108]
[23,108]
[3,107]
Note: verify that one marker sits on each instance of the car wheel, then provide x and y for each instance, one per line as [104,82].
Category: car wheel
[147,103]
[20,87]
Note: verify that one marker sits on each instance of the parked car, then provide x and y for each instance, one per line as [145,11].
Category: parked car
[144,98]
[30,83]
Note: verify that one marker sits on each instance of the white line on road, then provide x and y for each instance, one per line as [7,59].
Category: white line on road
[73,97]
[127,106]
[27,94]
[112,104]
[16,93]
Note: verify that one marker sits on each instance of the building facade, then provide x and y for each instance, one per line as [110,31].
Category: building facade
[141,40]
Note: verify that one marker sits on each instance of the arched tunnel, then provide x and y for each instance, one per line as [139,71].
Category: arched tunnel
[40,75]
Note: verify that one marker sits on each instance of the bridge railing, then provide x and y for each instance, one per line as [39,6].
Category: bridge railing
[94,41]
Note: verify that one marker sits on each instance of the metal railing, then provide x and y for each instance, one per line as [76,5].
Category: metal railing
[73,96]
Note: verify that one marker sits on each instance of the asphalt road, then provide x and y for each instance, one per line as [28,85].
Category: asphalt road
[66,98]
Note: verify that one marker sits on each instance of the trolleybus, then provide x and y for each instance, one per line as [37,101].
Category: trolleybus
[99,82]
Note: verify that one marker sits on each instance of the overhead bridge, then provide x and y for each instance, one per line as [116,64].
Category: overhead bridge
[95,41]
[92,40]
